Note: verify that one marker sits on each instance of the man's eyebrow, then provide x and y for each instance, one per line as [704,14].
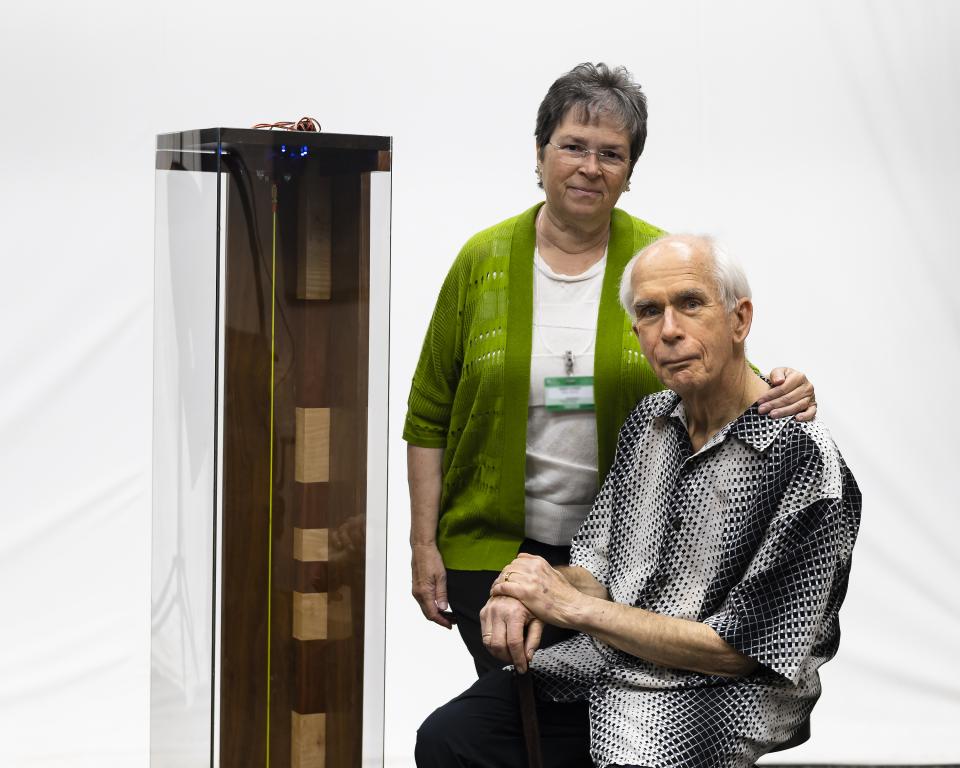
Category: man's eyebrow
[643,304]
[690,293]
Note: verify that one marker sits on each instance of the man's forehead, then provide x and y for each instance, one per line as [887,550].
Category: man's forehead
[674,264]
[677,248]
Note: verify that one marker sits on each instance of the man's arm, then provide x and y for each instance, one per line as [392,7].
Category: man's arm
[571,598]
[663,640]
[583,581]
[429,577]
[511,632]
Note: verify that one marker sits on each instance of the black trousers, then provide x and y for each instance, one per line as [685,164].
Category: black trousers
[481,728]
[468,592]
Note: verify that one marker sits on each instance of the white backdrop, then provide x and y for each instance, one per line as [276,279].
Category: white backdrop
[817,139]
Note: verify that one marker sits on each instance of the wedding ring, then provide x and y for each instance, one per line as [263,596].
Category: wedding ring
[507,576]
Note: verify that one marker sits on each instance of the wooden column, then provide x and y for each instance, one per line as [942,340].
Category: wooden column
[295,501]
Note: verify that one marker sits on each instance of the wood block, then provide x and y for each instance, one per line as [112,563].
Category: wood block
[313,445]
[313,263]
[310,616]
[310,544]
[308,741]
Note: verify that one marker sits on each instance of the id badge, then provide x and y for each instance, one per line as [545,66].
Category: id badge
[568,393]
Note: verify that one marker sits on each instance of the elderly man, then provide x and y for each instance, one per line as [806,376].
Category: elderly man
[705,583]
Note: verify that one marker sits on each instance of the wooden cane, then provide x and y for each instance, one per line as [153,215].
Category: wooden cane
[528,716]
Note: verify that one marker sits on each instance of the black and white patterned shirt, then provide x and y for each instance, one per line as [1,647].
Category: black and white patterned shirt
[751,535]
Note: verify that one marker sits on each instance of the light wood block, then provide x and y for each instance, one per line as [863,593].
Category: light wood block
[313,264]
[310,616]
[308,741]
[311,544]
[313,445]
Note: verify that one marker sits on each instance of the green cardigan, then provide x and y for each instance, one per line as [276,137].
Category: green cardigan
[470,389]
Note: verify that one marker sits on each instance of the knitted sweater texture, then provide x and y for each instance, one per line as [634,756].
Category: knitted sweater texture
[470,389]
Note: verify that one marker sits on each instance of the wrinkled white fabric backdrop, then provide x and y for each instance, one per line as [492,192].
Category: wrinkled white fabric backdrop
[818,140]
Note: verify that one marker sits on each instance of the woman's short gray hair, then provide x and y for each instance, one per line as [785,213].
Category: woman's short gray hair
[593,89]
[731,280]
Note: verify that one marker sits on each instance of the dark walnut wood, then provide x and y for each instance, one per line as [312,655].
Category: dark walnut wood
[320,353]
[246,473]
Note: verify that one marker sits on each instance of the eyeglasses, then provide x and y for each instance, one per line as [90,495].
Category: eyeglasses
[575,153]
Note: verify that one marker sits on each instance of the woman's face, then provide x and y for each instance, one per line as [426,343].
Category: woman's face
[583,192]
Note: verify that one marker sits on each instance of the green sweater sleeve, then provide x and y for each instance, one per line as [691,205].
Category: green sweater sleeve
[438,369]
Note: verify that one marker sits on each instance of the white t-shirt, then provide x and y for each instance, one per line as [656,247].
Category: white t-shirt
[561,471]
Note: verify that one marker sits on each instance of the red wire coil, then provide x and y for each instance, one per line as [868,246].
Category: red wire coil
[303,124]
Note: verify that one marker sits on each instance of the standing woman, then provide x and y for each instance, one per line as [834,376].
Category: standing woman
[530,367]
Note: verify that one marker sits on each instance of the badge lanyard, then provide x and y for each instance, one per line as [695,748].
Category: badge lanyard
[569,392]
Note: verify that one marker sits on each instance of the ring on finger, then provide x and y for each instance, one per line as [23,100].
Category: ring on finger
[506,578]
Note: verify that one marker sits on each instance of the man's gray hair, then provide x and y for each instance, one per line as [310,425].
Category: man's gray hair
[728,273]
[592,89]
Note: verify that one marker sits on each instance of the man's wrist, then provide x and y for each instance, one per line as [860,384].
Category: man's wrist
[579,612]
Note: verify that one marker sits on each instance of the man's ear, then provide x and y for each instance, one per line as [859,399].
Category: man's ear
[741,318]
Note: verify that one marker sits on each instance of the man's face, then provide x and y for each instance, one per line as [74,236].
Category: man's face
[683,328]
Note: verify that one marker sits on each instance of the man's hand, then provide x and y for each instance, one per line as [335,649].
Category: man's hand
[541,588]
[791,395]
[430,583]
[510,632]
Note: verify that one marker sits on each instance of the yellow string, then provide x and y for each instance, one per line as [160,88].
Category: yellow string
[273,312]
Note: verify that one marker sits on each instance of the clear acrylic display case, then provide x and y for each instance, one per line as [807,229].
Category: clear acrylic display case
[270,449]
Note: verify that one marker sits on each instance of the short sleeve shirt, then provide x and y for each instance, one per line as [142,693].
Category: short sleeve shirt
[751,535]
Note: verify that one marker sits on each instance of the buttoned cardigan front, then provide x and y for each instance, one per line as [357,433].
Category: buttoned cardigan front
[471,385]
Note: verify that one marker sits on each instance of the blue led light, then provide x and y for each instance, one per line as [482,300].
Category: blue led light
[283,147]
[303,151]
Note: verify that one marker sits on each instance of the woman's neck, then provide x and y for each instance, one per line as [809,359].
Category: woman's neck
[569,248]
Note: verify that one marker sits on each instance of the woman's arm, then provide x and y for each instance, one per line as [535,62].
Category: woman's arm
[429,576]
[791,395]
